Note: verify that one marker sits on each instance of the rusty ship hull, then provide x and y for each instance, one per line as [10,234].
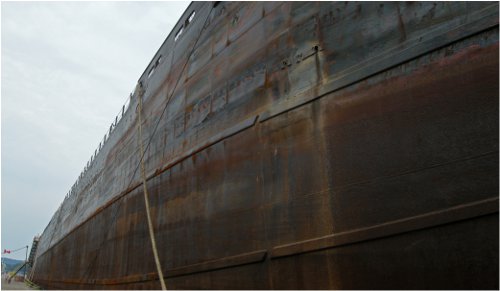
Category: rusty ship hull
[303,145]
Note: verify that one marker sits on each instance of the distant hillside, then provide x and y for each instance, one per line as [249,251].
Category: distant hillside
[11,264]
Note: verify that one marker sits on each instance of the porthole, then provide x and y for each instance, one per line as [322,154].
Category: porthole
[190,18]
[179,32]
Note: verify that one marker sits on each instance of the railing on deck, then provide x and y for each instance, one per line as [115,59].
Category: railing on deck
[108,133]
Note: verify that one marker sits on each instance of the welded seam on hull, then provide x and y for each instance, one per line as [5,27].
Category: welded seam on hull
[232,261]
[396,227]
[392,228]
[225,134]
[429,167]
[476,22]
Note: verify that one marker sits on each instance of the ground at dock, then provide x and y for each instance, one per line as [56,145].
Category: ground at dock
[14,285]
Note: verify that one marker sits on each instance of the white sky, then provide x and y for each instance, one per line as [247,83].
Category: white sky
[66,70]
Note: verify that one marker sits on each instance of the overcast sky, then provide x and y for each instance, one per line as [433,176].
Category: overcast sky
[66,70]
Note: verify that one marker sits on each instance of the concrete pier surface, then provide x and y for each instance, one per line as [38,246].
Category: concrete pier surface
[14,285]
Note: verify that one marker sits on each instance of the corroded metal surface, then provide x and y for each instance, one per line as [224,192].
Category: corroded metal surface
[299,145]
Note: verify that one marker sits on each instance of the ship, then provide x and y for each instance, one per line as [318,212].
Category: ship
[296,145]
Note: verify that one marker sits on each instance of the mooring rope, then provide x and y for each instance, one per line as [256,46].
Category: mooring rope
[169,97]
[146,195]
